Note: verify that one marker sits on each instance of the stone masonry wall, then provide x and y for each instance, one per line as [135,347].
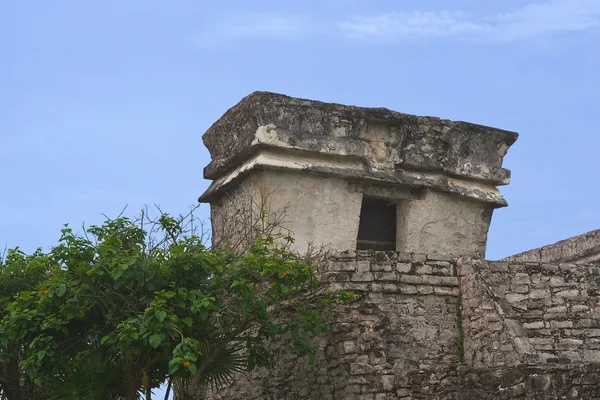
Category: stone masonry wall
[492,334]
[551,311]
[436,328]
[405,317]
[523,382]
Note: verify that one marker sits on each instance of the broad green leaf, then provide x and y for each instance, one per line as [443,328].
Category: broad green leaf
[160,315]
[155,340]
[188,321]
[60,289]
[116,273]
[192,368]
[173,367]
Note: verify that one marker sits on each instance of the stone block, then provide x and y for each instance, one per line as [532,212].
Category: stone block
[342,266]
[442,290]
[361,369]
[385,276]
[497,266]
[519,289]
[591,355]
[579,308]
[561,324]
[568,344]
[539,294]
[424,269]
[387,382]
[403,257]
[418,258]
[408,289]
[587,323]
[403,268]
[425,289]
[439,257]
[349,347]
[568,293]
[415,279]
[541,341]
[363,266]
[390,288]
[567,266]
[432,280]
[516,297]
[557,281]
[521,279]
[343,255]
[386,267]
[362,277]
[449,281]
[550,268]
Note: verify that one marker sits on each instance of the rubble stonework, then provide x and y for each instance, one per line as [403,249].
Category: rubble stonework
[579,249]
[405,317]
[551,312]
[433,319]
[405,338]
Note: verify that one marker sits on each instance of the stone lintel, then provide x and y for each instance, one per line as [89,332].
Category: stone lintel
[399,183]
[380,140]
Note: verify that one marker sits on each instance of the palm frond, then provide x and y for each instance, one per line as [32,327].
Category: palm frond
[221,363]
[91,376]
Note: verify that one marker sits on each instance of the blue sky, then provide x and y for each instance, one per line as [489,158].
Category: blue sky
[103,104]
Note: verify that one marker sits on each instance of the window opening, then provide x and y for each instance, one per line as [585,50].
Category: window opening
[377,226]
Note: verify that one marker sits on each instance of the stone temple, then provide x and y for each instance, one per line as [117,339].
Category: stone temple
[403,204]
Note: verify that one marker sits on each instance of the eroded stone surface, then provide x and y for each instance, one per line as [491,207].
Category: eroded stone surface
[383,138]
[317,161]
[356,142]
[400,340]
[433,320]
[578,249]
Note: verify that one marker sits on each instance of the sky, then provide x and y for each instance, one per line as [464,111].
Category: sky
[103,104]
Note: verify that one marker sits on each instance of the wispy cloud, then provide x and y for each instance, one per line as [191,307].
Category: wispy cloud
[532,20]
[410,25]
[257,26]
[540,19]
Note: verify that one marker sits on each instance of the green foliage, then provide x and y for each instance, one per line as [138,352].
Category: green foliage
[133,310]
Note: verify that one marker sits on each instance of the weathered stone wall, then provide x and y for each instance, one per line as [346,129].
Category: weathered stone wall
[382,137]
[324,209]
[405,315]
[319,159]
[551,311]
[437,328]
[524,382]
[492,335]
[443,223]
[578,249]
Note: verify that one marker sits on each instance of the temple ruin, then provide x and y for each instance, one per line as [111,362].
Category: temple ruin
[403,205]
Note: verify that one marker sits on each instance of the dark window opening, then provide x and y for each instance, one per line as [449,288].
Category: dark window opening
[377,226]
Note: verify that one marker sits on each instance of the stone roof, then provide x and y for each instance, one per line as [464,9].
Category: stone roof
[578,249]
[454,156]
